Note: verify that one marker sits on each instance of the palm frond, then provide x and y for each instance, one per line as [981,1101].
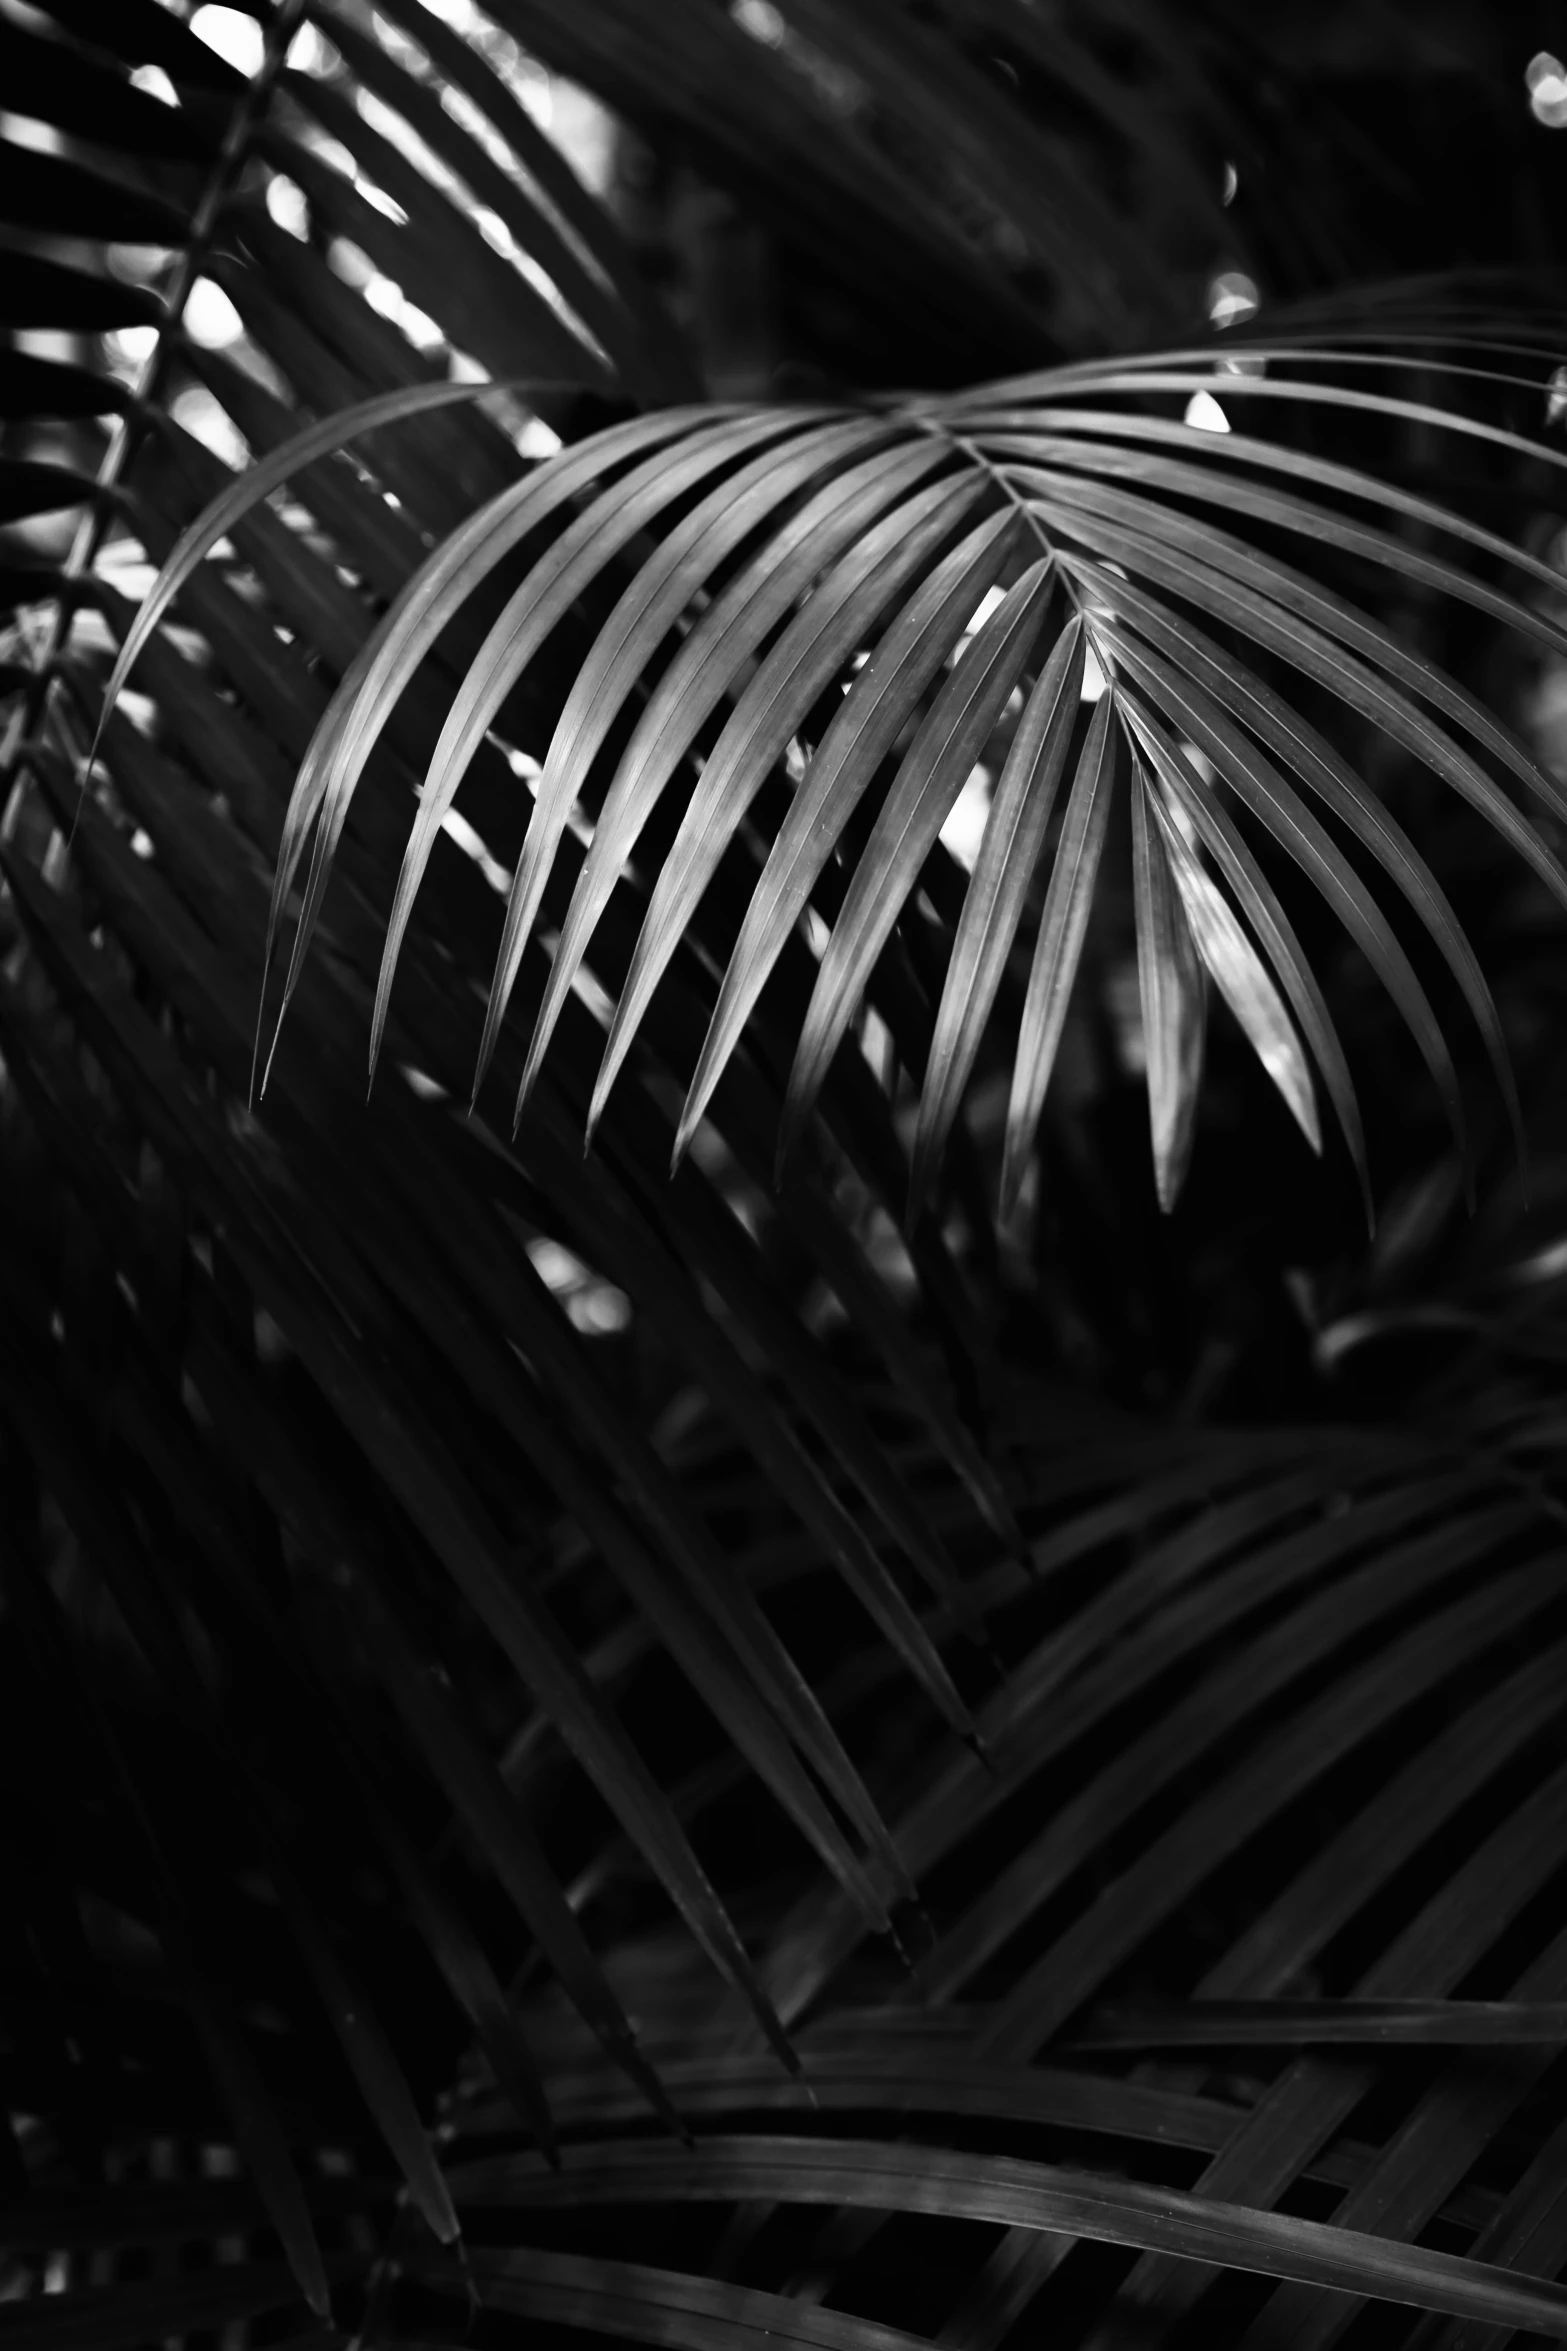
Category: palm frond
[818,601]
[543,1693]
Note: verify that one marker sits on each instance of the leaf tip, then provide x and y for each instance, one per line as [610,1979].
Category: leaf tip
[525,1089]
[489,1039]
[608,1070]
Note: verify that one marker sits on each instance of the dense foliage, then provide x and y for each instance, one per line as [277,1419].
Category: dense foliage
[922,1697]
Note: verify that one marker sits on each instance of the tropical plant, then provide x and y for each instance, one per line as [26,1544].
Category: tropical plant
[869,1713]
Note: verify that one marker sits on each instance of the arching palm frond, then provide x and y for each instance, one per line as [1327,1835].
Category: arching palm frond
[866,596]
[513,1659]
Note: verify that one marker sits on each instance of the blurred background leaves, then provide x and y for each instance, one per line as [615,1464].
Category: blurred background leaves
[1085,1615]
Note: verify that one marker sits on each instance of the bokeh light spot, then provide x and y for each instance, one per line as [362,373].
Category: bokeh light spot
[1545,78]
[237,38]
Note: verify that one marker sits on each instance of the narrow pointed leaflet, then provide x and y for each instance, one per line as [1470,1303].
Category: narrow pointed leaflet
[1058,950]
[935,769]
[858,737]
[814,649]
[997,893]
[1043,2198]
[1259,785]
[1237,971]
[710,663]
[650,608]
[552,586]
[1174,1004]
[371,686]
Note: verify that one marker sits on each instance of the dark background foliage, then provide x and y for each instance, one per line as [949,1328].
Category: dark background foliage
[470,1610]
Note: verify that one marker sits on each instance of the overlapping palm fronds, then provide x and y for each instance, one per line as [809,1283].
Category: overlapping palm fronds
[930,563]
[212,1320]
[546,1696]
